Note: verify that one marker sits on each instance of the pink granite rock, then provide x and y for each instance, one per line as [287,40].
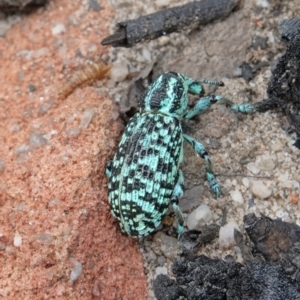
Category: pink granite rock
[58,239]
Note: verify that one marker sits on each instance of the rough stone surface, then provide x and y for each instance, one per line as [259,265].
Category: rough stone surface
[57,237]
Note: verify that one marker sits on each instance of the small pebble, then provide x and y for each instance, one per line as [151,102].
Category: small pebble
[226,235]
[20,206]
[146,54]
[27,113]
[92,47]
[94,5]
[2,246]
[288,184]
[191,198]
[151,256]
[168,245]
[246,182]
[161,270]
[44,107]
[4,26]
[53,202]
[162,3]
[96,290]
[265,163]
[260,190]
[253,168]
[40,52]
[201,213]
[87,118]
[161,261]
[214,144]
[76,270]
[2,164]
[277,146]
[237,196]
[17,241]
[119,72]
[45,237]
[37,140]
[15,128]
[294,198]
[58,29]
[31,88]
[47,136]
[73,132]
[21,149]
[262,3]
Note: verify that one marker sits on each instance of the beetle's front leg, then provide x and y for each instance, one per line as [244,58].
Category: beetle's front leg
[177,193]
[202,105]
[245,108]
[201,151]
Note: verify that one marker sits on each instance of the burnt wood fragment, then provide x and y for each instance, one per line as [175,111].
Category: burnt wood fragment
[12,6]
[284,86]
[155,25]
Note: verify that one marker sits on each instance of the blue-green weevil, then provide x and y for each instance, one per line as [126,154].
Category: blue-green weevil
[144,176]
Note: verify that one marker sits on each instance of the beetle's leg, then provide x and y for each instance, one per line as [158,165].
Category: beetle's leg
[177,193]
[108,169]
[195,87]
[201,151]
[203,104]
[245,108]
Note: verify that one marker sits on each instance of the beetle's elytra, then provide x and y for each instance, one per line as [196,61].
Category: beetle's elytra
[144,176]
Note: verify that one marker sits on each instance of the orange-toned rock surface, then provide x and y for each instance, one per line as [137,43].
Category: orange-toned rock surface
[57,237]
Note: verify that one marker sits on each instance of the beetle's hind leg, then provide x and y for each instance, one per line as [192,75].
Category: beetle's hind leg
[177,193]
[201,151]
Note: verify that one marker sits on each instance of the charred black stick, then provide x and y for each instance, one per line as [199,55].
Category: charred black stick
[10,6]
[149,27]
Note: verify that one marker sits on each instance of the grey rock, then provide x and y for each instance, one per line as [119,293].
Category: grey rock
[191,198]
[167,244]
[94,5]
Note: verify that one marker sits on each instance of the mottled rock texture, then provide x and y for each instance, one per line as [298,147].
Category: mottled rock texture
[54,213]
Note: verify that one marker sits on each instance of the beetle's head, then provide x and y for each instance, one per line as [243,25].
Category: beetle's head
[168,94]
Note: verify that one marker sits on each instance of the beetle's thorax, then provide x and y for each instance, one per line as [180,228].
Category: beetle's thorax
[166,95]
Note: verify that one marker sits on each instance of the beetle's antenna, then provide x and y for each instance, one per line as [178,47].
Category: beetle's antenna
[210,81]
[243,175]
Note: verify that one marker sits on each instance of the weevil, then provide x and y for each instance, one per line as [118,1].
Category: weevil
[144,176]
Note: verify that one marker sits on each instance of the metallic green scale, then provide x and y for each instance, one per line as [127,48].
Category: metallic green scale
[144,176]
